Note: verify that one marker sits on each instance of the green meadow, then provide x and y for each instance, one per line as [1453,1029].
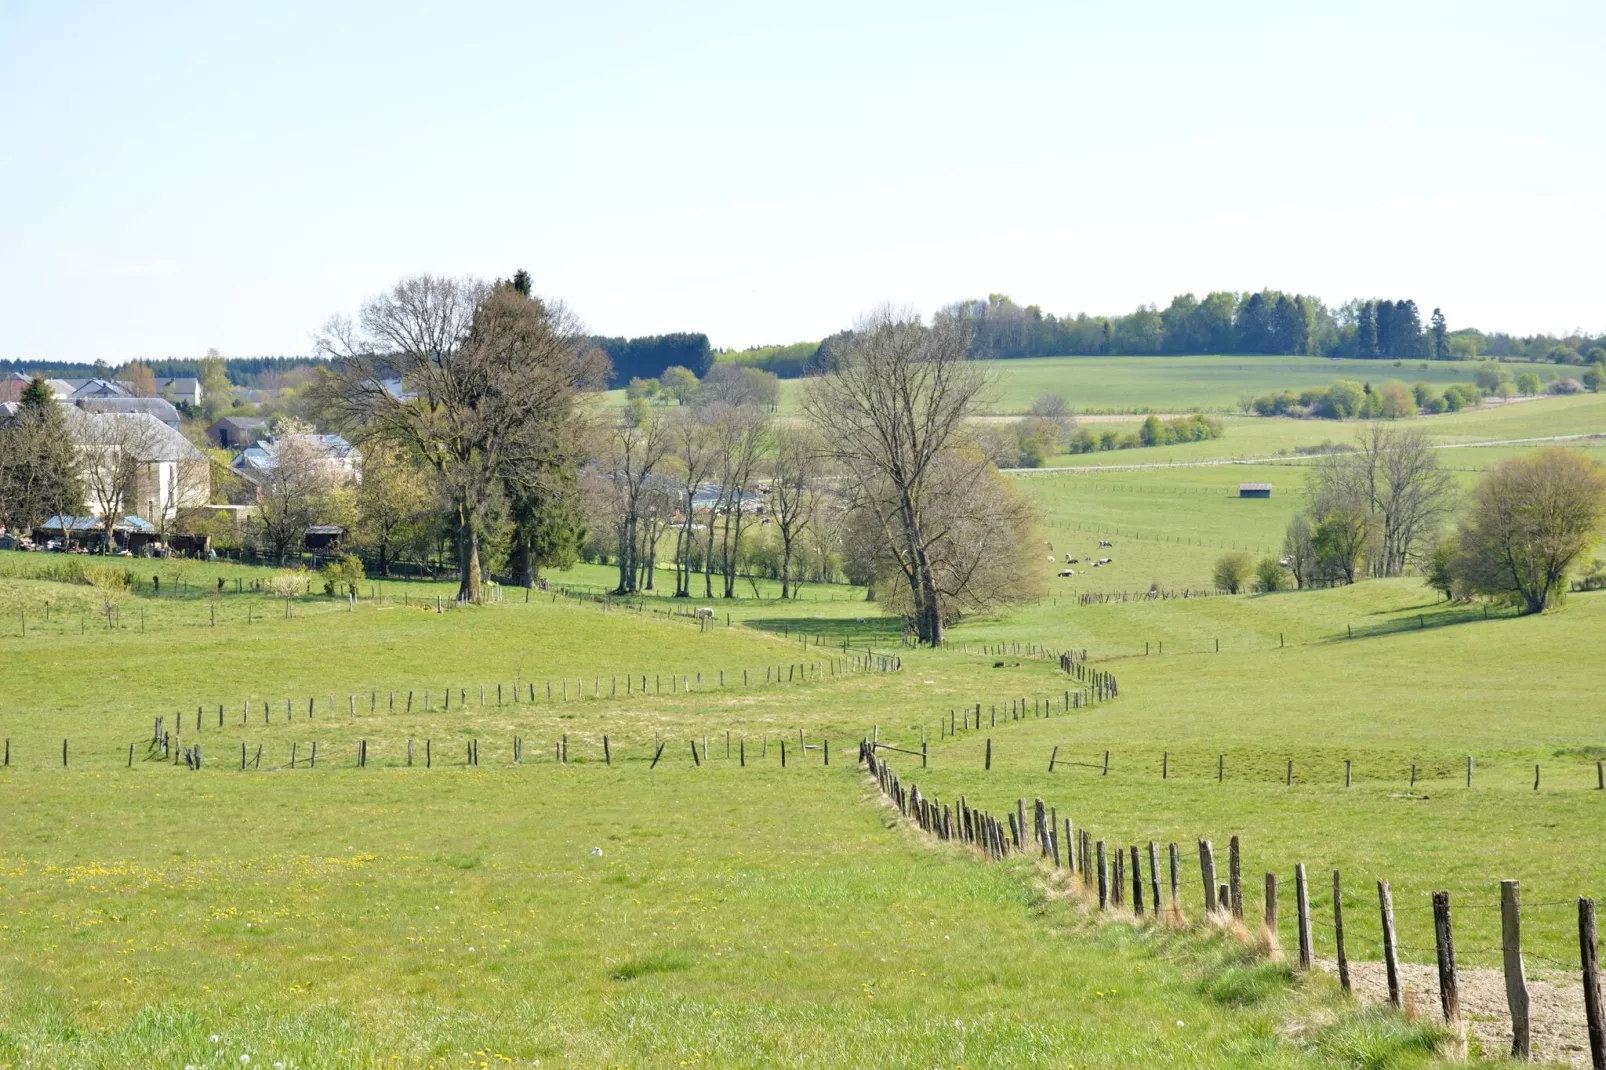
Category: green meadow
[667,870]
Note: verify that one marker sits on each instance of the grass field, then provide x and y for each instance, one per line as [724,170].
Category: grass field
[741,912]
[1181,384]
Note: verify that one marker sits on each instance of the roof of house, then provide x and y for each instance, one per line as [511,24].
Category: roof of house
[160,408]
[1254,486]
[263,454]
[149,438]
[325,529]
[93,523]
[240,423]
[86,388]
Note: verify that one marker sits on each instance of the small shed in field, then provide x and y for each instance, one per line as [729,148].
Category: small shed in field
[1254,490]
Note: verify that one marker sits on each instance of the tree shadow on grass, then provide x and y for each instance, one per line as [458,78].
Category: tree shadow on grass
[869,629]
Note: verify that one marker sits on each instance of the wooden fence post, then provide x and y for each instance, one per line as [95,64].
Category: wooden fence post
[989,764]
[1176,885]
[1235,883]
[1391,956]
[1269,921]
[1302,902]
[1588,951]
[1516,978]
[1338,933]
[1104,877]
[1154,877]
[1444,945]
[1207,873]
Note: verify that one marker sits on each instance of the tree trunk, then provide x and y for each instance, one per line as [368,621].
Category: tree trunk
[786,566]
[523,567]
[468,557]
[626,569]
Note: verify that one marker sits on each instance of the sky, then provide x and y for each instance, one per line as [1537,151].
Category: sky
[175,177]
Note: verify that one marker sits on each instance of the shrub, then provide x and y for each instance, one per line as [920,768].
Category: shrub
[1563,355]
[345,572]
[1269,575]
[1565,386]
[1528,383]
[1232,571]
[1595,377]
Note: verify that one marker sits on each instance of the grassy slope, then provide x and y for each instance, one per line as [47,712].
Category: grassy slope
[1175,384]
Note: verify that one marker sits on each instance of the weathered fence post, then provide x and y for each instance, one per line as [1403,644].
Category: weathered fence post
[1104,877]
[1207,873]
[1154,876]
[1391,955]
[1235,883]
[1268,919]
[1444,945]
[1588,950]
[1176,884]
[1516,978]
[1302,902]
[1338,932]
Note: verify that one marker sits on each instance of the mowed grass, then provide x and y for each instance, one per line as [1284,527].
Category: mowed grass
[1422,683]
[583,916]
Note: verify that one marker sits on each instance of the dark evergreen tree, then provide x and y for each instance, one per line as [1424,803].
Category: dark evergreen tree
[1256,329]
[39,466]
[521,282]
[1366,330]
[1441,336]
[1385,329]
[1408,340]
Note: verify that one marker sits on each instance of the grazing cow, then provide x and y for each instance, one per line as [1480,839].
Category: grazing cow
[1105,542]
[1069,560]
[1067,572]
[1051,557]
[704,611]
[1105,560]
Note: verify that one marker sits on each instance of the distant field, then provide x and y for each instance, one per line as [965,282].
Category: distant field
[1180,384]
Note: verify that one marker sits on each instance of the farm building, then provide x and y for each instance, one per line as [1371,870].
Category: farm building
[1254,490]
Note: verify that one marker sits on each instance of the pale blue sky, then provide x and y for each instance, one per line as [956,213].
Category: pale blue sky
[178,176]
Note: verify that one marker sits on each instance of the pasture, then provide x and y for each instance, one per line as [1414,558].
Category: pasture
[1180,383]
[594,855]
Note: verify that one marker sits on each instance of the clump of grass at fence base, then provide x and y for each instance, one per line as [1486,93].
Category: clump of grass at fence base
[732,918]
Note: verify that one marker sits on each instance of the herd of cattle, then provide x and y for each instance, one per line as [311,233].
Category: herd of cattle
[1093,562]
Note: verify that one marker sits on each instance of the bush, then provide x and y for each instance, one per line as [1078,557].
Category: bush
[1528,383]
[1595,377]
[1232,571]
[1563,355]
[1269,575]
[1565,386]
[346,572]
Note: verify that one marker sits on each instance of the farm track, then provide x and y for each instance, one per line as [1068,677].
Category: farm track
[1285,459]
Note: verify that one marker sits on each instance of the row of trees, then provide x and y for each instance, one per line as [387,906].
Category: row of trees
[1260,322]
[1384,507]
[883,477]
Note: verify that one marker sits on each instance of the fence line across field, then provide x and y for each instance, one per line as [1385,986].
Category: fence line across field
[1120,886]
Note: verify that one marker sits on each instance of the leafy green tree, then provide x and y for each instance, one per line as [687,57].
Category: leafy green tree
[1441,567]
[1340,543]
[1528,383]
[1532,518]
[1232,571]
[1594,377]
[1488,377]
[1269,576]
[1423,393]
[678,383]
[1299,550]
[1151,433]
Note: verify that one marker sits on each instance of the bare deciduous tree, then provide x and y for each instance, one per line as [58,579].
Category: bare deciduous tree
[796,490]
[893,407]
[297,490]
[116,448]
[635,446]
[1395,477]
[693,450]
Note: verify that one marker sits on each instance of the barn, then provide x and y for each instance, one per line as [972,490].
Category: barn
[1254,490]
